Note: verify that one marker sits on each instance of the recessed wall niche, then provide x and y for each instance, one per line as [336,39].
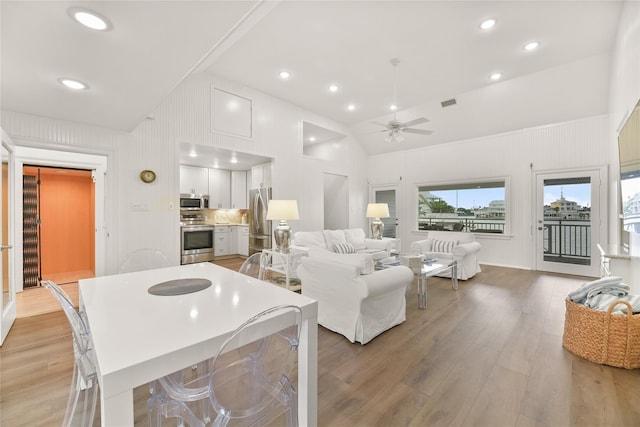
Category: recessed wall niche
[232,114]
[320,142]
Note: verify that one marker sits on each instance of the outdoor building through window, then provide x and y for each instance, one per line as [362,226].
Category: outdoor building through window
[475,207]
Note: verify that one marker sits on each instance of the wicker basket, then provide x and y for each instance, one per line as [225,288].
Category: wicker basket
[602,337]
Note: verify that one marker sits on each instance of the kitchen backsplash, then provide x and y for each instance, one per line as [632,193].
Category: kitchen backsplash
[224,216]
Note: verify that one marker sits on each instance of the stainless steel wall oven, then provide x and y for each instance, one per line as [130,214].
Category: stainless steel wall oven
[196,244]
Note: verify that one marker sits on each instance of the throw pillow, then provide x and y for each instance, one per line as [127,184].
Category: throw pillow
[334,236]
[444,246]
[343,248]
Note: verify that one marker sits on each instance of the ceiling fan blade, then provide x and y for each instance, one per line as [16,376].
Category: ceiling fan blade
[380,124]
[376,131]
[414,122]
[420,131]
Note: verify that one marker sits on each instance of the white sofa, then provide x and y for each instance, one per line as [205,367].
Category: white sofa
[451,245]
[352,240]
[354,299]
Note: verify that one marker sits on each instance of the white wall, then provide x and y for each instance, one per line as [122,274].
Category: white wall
[186,116]
[623,96]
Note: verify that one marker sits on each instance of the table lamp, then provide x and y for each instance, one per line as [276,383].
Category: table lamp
[282,210]
[377,211]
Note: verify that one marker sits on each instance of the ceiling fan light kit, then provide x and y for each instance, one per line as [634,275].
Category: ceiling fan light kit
[394,128]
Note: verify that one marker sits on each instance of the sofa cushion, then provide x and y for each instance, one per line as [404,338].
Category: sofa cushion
[334,236]
[443,245]
[364,262]
[343,248]
[310,239]
[356,237]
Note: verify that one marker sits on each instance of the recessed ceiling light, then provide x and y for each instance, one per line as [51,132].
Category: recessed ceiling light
[333,88]
[489,23]
[90,19]
[312,138]
[393,107]
[284,75]
[531,45]
[495,76]
[234,160]
[351,107]
[193,154]
[73,84]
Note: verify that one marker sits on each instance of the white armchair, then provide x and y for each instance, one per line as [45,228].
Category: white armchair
[451,245]
[358,306]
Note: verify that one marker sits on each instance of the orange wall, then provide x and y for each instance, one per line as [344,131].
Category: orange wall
[67,213]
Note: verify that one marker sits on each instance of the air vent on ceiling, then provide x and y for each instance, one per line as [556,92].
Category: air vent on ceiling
[448,102]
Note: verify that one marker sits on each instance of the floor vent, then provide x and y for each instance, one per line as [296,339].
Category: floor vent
[448,102]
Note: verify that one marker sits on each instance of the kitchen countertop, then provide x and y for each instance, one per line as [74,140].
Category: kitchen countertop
[227,224]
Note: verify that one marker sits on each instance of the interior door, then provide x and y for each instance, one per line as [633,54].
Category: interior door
[8,298]
[568,222]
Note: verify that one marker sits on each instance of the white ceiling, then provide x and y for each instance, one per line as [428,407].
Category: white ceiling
[155,44]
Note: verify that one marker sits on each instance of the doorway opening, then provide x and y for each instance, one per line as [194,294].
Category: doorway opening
[58,225]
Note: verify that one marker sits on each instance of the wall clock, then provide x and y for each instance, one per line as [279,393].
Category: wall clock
[148,176]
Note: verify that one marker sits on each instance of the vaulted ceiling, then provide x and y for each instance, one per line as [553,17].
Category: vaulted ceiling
[443,54]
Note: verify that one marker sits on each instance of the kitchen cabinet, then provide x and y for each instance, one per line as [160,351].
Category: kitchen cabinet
[219,189]
[194,180]
[238,190]
[242,240]
[261,175]
[222,238]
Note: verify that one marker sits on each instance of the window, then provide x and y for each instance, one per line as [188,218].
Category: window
[476,207]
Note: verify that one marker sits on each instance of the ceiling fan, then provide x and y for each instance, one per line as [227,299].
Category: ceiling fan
[394,128]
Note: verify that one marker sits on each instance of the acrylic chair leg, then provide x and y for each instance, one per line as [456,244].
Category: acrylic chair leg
[74,394]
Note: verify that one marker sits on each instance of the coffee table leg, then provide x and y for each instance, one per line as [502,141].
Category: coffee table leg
[454,276]
[422,293]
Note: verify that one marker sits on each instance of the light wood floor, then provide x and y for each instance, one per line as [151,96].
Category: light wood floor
[489,354]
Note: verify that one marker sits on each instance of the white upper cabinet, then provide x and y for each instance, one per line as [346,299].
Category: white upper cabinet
[194,180]
[219,189]
[239,190]
[261,175]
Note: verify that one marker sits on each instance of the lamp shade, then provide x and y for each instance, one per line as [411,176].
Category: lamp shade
[377,210]
[283,209]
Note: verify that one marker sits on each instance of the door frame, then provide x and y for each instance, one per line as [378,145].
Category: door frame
[397,188]
[56,158]
[8,313]
[598,218]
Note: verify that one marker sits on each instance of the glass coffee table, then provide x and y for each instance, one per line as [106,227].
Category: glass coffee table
[433,268]
[429,268]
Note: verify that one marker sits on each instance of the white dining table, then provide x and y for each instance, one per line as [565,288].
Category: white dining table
[138,337]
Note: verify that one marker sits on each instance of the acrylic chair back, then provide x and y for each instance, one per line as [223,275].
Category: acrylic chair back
[143,259]
[251,377]
[253,267]
[83,394]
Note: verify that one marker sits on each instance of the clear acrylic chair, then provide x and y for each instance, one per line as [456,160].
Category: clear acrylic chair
[143,259]
[250,381]
[245,382]
[83,394]
[253,267]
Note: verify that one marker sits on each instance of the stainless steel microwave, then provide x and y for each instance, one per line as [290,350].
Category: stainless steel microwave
[194,201]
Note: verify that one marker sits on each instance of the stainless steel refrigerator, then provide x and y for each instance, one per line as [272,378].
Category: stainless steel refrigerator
[259,226]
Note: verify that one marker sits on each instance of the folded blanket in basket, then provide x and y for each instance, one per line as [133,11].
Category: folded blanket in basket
[611,285]
[602,302]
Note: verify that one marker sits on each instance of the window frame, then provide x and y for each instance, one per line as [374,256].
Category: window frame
[468,183]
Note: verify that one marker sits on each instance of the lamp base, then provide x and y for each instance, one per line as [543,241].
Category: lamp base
[377,227]
[282,236]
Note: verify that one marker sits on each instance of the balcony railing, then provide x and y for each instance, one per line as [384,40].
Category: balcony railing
[471,225]
[567,241]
